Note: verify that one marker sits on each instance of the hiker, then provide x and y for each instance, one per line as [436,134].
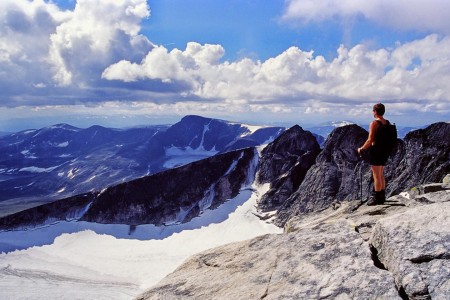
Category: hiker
[378,156]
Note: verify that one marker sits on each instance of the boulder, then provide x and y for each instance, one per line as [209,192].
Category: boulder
[415,247]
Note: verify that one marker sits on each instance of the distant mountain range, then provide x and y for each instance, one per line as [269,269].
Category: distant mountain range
[324,129]
[41,165]
[302,177]
[37,166]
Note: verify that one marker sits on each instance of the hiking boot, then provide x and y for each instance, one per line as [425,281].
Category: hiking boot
[373,200]
[376,198]
[382,197]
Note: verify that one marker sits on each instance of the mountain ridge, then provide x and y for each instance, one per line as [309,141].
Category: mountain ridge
[58,161]
[302,177]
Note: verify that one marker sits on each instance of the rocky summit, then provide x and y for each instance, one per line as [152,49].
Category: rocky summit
[400,250]
[339,174]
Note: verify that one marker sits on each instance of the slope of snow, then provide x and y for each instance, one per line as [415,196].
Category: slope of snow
[177,156]
[250,129]
[80,260]
[37,169]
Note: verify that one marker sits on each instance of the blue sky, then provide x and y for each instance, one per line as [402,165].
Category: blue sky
[130,62]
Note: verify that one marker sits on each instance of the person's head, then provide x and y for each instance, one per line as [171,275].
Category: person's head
[379,109]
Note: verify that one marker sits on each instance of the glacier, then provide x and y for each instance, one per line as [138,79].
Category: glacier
[81,260]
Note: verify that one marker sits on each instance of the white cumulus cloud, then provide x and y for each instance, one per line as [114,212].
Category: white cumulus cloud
[414,70]
[98,32]
[43,47]
[432,15]
[96,53]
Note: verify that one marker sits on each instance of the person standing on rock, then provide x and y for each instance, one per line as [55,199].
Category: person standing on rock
[377,156]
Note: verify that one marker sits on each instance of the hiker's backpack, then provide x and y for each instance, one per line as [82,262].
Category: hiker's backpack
[386,137]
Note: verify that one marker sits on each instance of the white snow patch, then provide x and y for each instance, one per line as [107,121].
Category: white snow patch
[180,156]
[341,123]
[233,165]
[8,171]
[72,173]
[29,131]
[62,145]
[205,129]
[91,178]
[28,154]
[80,260]
[37,169]
[250,129]
[405,195]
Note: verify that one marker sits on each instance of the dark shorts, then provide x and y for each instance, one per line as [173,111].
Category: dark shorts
[377,157]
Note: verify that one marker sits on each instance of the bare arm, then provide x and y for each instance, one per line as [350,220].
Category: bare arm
[371,139]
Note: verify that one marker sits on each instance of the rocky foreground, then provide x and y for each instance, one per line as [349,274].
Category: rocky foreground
[400,250]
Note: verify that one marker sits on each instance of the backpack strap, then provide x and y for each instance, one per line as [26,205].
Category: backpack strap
[381,123]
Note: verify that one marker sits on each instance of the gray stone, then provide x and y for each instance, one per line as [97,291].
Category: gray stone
[415,247]
[325,261]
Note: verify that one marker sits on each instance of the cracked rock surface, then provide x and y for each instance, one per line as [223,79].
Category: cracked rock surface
[415,247]
[325,261]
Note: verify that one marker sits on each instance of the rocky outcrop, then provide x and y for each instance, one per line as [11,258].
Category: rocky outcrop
[326,261]
[396,251]
[339,174]
[284,164]
[67,209]
[415,247]
[334,176]
[423,158]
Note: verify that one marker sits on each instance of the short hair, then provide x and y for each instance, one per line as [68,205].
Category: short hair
[379,108]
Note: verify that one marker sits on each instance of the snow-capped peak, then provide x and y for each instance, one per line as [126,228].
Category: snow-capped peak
[338,123]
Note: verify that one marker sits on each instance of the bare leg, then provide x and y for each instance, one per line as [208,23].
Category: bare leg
[379,182]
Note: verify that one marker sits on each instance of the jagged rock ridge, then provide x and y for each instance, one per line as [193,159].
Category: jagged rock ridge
[172,196]
[338,173]
[284,164]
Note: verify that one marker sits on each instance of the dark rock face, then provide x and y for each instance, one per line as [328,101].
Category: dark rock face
[338,173]
[332,177]
[173,196]
[66,209]
[424,157]
[284,164]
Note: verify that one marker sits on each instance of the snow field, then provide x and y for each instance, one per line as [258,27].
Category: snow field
[80,260]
